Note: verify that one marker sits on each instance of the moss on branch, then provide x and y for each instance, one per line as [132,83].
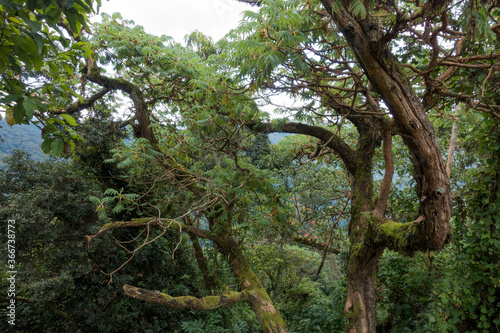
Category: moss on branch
[206,303]
[398,236]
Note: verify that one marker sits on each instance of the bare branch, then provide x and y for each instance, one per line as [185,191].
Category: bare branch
[74,108]
[389,173]
[323,257]
[333,141]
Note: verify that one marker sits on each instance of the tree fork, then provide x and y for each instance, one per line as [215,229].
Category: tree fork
[386,75]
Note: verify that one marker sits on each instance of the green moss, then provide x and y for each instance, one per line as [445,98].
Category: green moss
[211,302]
[142,220]
[397,236]
[356,250]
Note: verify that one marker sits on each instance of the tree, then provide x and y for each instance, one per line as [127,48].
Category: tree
[363,85]
[203,103]
[60,285]
[353,62]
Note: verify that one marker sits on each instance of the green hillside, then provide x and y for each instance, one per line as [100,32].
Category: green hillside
[24,137]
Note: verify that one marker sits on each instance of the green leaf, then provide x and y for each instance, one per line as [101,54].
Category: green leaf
[29,105]
[39,42]
[18,113]
[111,191]
[9,98]
[358,9]
[68,69]
[46,146]
[26,46]
[57,147]
[34,25]
[95,200]
[71,121]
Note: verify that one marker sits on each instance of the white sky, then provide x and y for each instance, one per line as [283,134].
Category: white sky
[177,18]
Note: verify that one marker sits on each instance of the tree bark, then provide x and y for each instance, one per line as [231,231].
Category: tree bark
[360,306]
[181,302]
[258,298]
[387,77]
[361,300]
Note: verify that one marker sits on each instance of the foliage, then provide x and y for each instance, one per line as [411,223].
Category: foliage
[35,43]
[310,304]
[423,294]
[196,164]
[473,303]
[49,201]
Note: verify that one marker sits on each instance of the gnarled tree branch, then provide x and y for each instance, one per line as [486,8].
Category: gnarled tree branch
[340,147]
[206,303]
[87,103]
[135,93]
[151,221]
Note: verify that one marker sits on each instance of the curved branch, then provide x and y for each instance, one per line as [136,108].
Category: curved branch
[135,93]
[74,108]
[206,303]
[333,141]
[154,222]
[316,244]
[389,173]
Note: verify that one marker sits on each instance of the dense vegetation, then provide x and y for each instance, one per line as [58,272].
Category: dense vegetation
[380,213]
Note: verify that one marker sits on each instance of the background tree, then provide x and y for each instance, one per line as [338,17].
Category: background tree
[60,281]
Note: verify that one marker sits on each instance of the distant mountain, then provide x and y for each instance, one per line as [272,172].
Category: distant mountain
[277,137]
[24,137]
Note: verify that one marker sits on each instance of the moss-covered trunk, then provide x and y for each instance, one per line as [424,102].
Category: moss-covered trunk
[259,300]
[361,303]
[360,306]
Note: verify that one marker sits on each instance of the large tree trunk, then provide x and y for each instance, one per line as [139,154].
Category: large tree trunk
[361,303]
[360,306]
[431,229]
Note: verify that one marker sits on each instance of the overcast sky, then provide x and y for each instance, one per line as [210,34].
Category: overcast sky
[178,18]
